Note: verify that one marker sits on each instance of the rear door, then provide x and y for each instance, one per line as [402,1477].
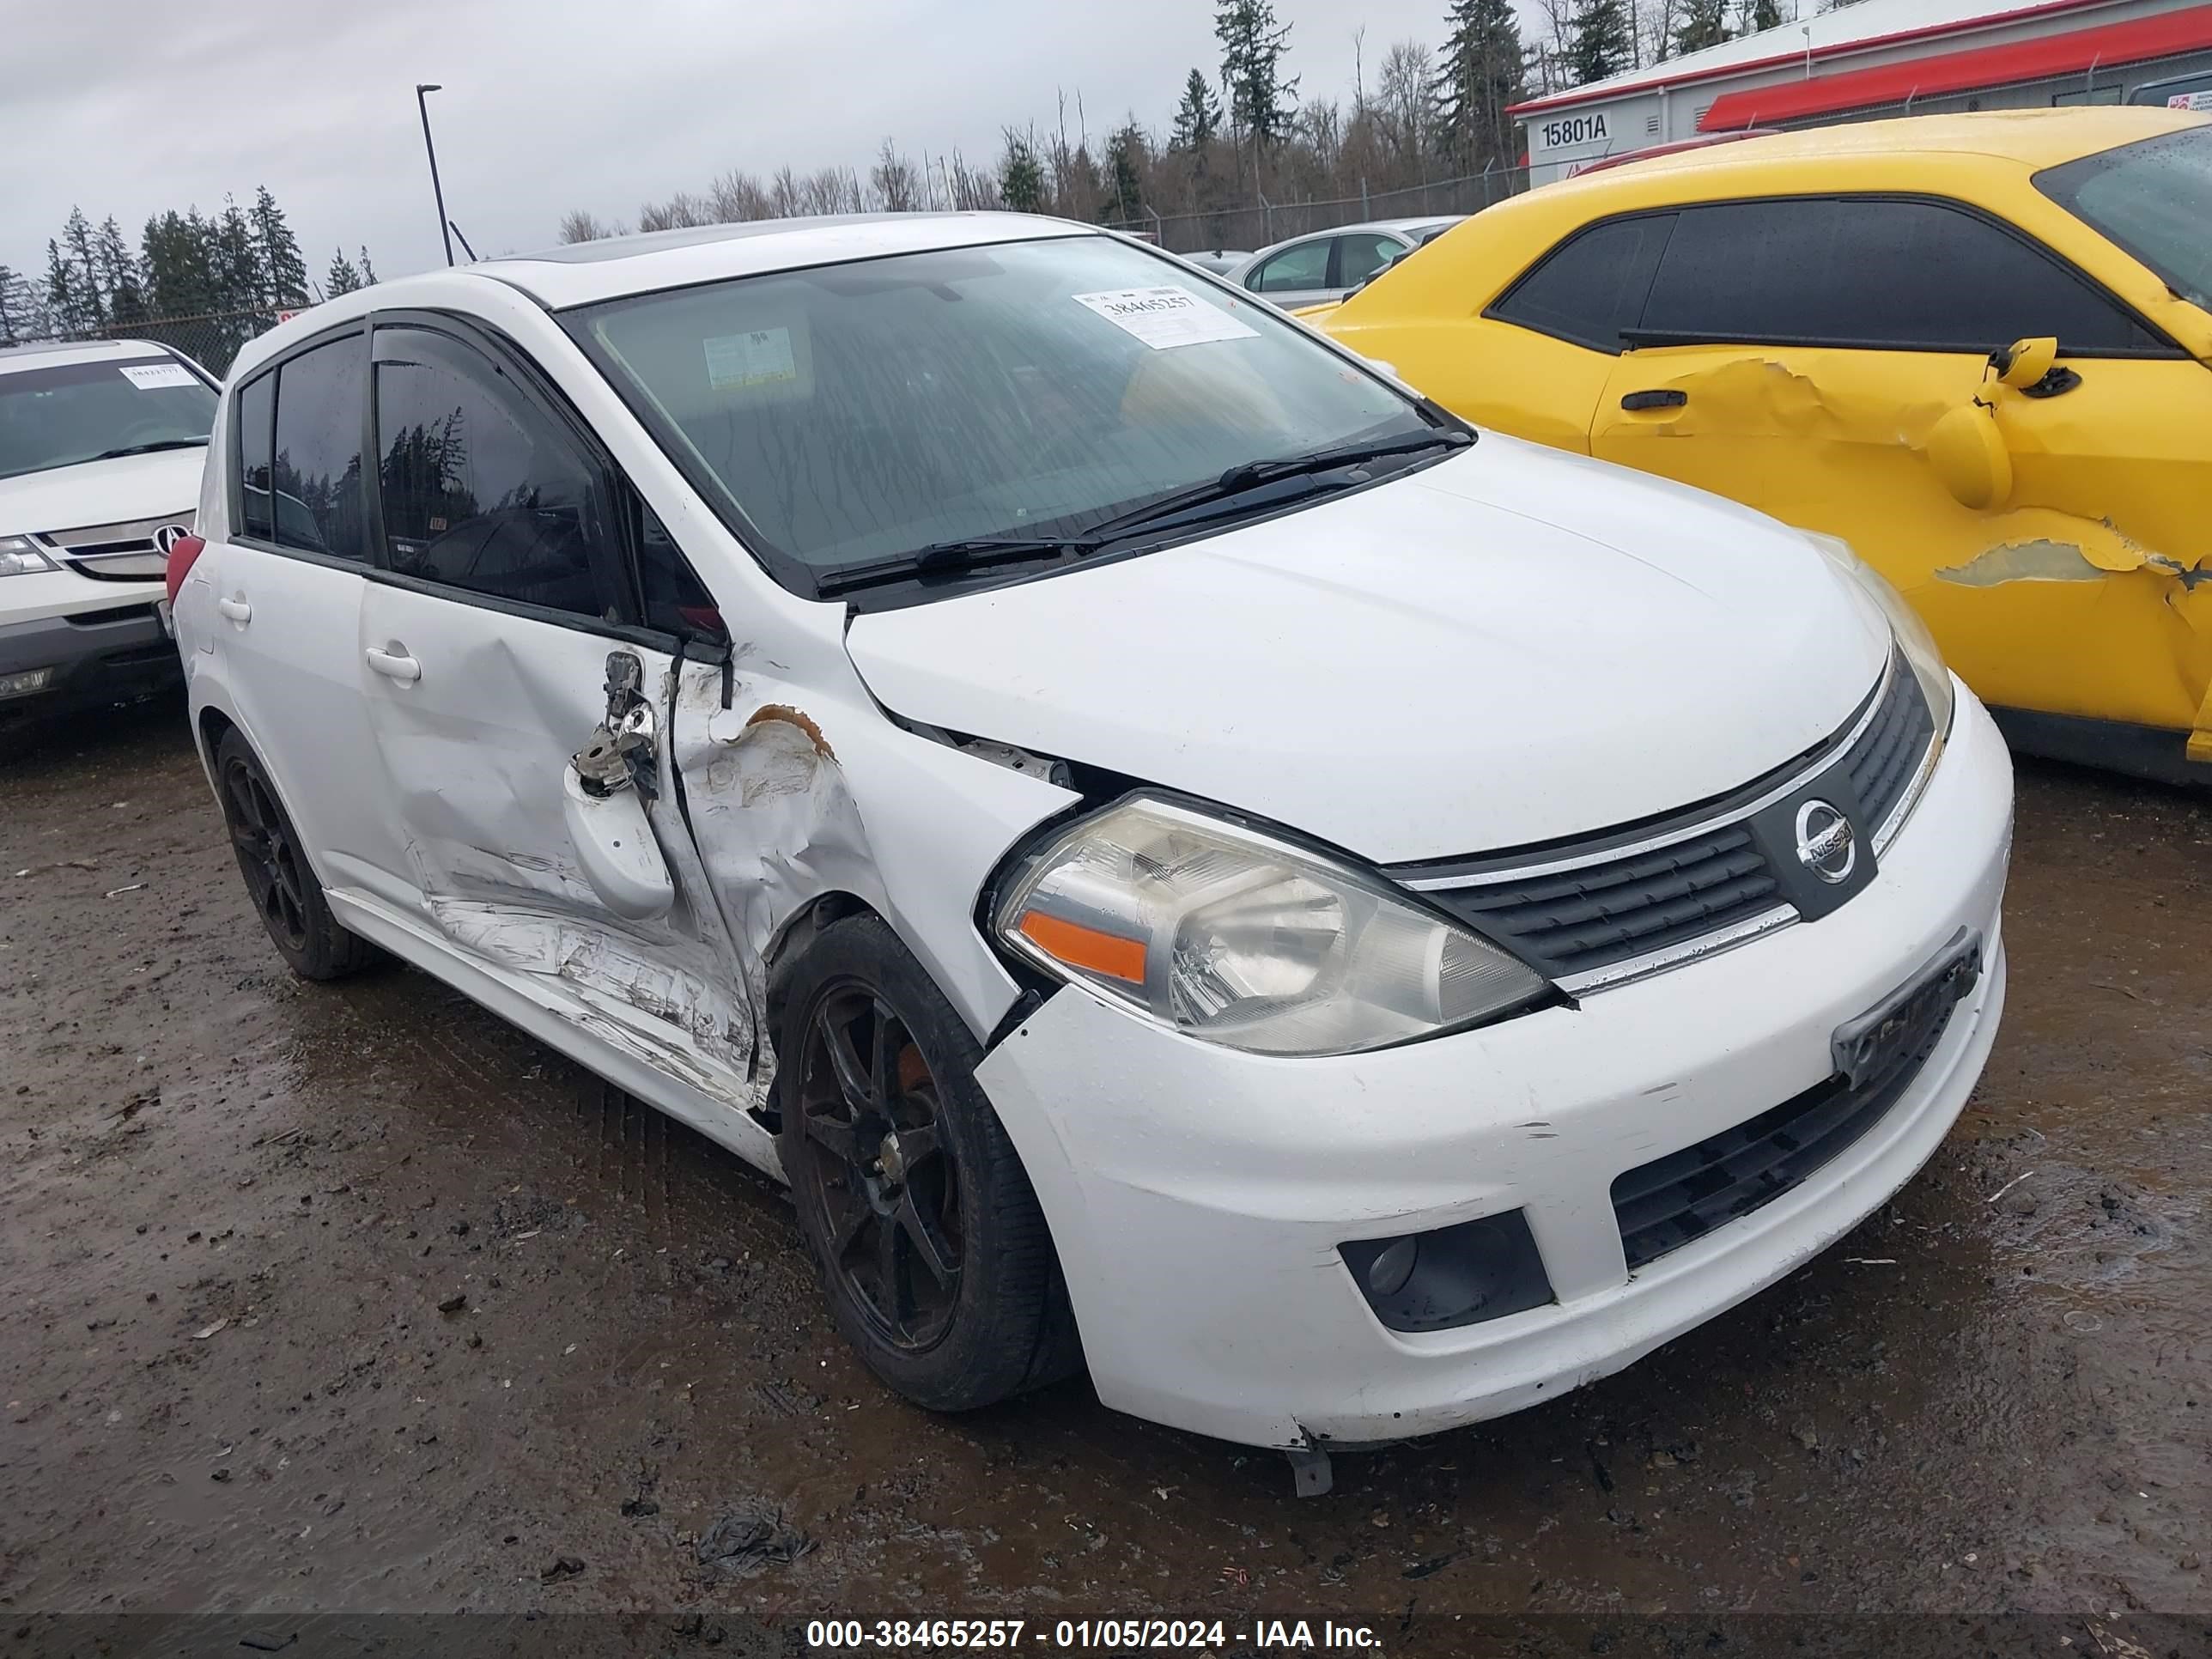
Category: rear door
[288,585]
[1796,354]
[504,635]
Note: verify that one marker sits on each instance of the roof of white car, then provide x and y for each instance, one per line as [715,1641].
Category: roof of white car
[583,272]
[1402,226]
[46,354]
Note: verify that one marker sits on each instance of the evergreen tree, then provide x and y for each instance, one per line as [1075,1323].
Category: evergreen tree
[282,273]
[1482,78]
[122,288]
[177,257]
[20,317]
[1704,23]
[1252,46]
[343,278]
[367,270]
[1021,175]
[1199,116]
[72,299]
[73,278]
[235,265]
[1125,171]
[1757,17]
[1598,42]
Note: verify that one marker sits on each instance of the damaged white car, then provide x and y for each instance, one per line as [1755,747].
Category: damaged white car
[1194,864]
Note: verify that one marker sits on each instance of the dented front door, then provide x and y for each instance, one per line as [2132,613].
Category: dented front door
[479,738]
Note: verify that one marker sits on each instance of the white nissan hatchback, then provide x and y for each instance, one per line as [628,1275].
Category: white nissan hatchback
[1190,862]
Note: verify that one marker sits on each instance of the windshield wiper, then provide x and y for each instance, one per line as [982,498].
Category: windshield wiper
[1248,476]
[147,449]
[981,552]
[966,553]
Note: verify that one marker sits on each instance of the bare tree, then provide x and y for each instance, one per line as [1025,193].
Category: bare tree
[580,225]
[898,190]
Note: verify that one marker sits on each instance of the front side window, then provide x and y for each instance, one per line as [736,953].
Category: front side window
[1293,270]
[1874,272]
[481,489]
[2153,198]
[67,414]
[865,411]
[317,503]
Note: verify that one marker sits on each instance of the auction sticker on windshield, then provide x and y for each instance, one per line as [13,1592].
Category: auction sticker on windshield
[1166,316]
[152,377]
[761,357]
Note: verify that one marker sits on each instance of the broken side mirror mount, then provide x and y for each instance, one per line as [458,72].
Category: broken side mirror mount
[605,790]
[1968,448]
[2024,364]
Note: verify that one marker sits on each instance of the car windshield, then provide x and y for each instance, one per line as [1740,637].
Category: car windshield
[2154,198]
[64,414]
[863,411]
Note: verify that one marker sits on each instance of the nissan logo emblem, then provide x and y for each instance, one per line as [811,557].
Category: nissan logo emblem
[1826,845]
[169,535]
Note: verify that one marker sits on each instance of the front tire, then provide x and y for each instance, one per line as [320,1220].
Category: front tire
[279,878]
[923,1228]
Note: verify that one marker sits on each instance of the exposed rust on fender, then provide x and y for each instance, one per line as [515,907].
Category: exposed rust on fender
[780,711]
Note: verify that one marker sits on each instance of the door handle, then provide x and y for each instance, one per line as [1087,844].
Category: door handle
[394,665]
[1666,398]
[237,610]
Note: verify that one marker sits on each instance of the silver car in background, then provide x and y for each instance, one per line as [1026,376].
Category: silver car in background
[1328,264]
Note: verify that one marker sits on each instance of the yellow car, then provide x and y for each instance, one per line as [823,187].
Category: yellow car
[1977,347]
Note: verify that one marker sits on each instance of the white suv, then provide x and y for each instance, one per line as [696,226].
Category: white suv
[101,449]
[1189,860]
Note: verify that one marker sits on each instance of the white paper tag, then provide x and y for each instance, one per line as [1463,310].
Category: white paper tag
[760,358]
[1166,317]
[152,377]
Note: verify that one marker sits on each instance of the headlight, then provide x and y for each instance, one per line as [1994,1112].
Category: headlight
[1912,635]
[19,558]
[1228,935]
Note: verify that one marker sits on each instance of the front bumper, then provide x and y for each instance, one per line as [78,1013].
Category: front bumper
[113,654]
[1198,1195]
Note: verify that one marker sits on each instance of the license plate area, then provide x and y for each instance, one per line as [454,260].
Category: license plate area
[1867,1046]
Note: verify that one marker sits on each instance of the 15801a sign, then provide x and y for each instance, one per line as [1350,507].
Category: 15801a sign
[1571,129]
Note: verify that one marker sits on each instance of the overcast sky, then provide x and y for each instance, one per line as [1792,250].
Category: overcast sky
[128,107]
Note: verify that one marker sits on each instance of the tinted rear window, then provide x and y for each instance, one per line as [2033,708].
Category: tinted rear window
[1592,286]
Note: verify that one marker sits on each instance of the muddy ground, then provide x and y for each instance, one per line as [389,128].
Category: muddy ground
[352,1298]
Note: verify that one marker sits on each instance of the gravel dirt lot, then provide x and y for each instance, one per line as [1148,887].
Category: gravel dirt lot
[325,1299]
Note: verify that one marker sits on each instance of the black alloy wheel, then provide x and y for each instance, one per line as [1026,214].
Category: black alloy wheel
[878,1165]
[268,853]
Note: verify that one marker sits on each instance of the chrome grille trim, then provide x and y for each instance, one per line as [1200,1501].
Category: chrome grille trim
[1681,832]
[1546,928]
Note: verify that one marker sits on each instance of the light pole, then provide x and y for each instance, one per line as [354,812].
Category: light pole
[421,92]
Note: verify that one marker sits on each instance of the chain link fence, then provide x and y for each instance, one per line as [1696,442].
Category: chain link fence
[1254,225]
[211,340]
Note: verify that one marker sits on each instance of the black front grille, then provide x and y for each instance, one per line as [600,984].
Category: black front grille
[1664,1205]
[1583,918]
[1615,909]
[1887,753]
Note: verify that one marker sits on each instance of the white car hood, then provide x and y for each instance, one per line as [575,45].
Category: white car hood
[1512,646]
[102,492]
